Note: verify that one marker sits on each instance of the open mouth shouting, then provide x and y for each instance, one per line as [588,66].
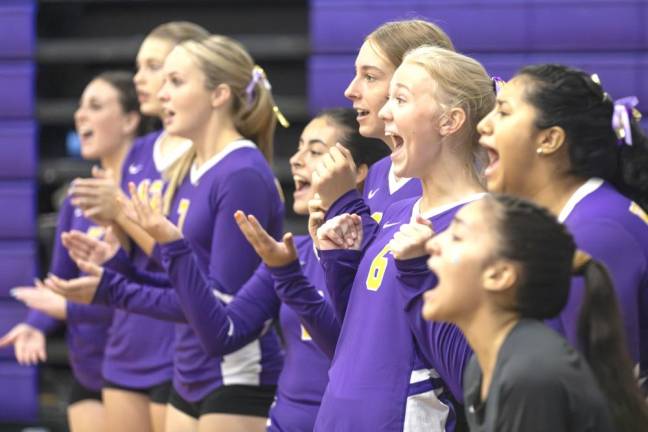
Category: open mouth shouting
[85,133]
[302,186]
[493,159]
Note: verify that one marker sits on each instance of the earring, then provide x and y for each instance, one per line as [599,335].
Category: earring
[539,151]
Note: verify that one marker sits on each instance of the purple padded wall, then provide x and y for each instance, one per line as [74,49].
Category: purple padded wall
[12,313]
[621,75]
[16,29]
[16,83]
[338,26]
[18,384]
[17,265]
[18,392]
[18,207]
[17,150]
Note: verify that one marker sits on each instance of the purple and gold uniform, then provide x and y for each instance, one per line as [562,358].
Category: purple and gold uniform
[382,188]
[87,325]
[237,178]
[378,381]
[613,230]
[139,353]
[227,325]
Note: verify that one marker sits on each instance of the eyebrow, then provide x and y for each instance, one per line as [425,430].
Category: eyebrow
[399,85]
[316,141]
[369,67]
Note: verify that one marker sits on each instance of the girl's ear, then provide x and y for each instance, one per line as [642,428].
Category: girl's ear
[221,95]
[452,121]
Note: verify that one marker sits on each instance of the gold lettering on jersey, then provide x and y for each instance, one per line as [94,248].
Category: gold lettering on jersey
[377,216]
[638,211]
[96,232]
[183,209]
[155,194]
[377,269]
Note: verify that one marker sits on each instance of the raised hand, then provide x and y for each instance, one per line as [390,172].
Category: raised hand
[334,176]
[409,241]
[28,342]
[316,214]
[342,232]
[272,252]
[79,290]
[42,299]
[97,196]
[148,214]
[83,247]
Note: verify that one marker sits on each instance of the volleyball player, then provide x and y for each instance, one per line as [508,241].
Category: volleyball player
[138,364]
[504,265]
[379,56]
[215,96]
[377,380]
[556,138]
[106,121]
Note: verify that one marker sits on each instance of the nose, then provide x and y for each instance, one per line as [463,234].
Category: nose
[137,78]
[385,113]
[79,114]
[163,94]
[296,160]
[351,92]
[485,126]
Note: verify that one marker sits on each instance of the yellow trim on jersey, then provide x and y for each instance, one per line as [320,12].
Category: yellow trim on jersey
[638,211]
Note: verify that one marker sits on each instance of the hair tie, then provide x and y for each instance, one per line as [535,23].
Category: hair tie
[624,112]
[498,83]
[259,77]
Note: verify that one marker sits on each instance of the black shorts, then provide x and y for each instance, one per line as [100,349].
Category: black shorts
[79,392]
[244,400]
[158,393]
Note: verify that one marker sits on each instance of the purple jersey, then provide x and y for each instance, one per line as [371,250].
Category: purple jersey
[237,178]
[227,325]
[139,353]
[613,230]
[377,380]
[87,325]
[382,188]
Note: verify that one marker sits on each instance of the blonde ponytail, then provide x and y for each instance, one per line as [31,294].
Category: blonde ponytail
[225,61]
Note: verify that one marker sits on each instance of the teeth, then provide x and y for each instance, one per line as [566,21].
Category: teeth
[85,133]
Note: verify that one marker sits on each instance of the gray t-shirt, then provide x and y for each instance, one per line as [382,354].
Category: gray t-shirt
[540,383]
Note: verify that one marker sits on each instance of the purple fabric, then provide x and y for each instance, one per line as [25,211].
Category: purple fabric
[604,227]
[225,327]
[376,191]
[240,180]
[376,354]
[140,349]
[87,326]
